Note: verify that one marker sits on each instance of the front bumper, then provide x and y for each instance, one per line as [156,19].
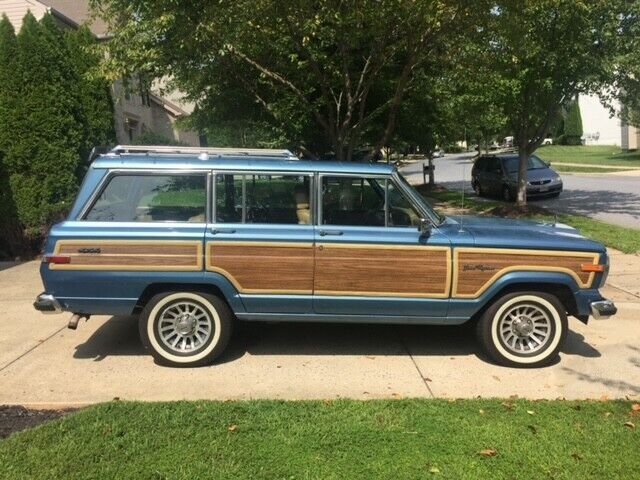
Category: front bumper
[46,303]
[603,309]
[544,190]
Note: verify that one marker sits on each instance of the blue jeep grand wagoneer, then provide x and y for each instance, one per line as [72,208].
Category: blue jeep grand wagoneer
[192,240]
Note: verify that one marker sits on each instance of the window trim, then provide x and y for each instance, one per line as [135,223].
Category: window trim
[244,173]
[387,178]
[131,172]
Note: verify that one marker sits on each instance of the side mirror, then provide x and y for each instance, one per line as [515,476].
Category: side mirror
[425,227]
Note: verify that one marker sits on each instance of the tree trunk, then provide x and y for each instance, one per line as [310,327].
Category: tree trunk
[522,175]
[432,179]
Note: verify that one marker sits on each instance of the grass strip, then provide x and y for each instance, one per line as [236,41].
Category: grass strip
[464,439]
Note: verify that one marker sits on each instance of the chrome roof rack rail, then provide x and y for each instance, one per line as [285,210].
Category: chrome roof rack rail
[202,151]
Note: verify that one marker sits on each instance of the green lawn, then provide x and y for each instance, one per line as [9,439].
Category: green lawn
[593,155]
[558,167]
[471,439]
[624,239]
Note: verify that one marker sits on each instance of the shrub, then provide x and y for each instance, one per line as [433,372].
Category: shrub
[572,134]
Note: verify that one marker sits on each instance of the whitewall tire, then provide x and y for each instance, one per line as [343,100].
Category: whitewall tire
[523,329]
[185,329]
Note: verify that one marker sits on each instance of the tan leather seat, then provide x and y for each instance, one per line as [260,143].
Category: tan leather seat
[303,210]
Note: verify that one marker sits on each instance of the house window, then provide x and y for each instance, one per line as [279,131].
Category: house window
[131,128]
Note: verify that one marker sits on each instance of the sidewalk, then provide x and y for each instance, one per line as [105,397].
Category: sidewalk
[42,364]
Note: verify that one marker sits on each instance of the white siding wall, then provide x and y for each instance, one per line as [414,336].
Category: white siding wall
[17,9]
[597,125]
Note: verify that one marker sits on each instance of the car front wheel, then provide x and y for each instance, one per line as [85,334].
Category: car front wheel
[524,329]
[185,329]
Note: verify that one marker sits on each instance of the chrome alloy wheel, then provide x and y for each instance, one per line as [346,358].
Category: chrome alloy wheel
[525,328]
[184,327]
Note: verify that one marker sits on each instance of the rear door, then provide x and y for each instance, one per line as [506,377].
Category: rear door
[371,258]
[261,239]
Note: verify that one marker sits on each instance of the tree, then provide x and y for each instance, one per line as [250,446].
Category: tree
[48,126]
[572,133]
[10,234]
[327,74]
[548,51]
[95,89]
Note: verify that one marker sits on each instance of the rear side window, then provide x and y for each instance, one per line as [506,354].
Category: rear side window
[263,198]
[151,198]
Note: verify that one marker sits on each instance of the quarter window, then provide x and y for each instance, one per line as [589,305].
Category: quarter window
[263,198]
[151,198]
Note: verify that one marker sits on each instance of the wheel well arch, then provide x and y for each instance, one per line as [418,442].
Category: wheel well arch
[561,291]
[155,288]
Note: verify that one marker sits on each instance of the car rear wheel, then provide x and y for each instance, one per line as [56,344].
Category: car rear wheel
[185,329]
[524,329]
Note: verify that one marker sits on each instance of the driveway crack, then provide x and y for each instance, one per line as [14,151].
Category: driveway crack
[415,364]
[24,354]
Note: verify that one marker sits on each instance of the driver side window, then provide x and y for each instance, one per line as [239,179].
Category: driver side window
[361,201]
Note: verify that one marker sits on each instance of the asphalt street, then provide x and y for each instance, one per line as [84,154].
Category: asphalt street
[612,198]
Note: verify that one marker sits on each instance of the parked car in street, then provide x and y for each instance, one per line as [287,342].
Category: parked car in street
[497,175]
[190,241]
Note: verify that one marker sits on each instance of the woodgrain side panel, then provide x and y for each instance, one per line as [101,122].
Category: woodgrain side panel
[156,255]
[253,267]
[390,271]
[475,270]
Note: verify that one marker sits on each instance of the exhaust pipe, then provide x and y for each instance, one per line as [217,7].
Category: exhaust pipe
[75,318]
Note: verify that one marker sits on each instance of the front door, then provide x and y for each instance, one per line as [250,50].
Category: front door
[261,239]
[371,258]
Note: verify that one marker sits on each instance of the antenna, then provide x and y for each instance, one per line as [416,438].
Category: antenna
[464,181]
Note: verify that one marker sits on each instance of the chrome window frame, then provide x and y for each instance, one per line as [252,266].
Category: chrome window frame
[244,173]
[81,217]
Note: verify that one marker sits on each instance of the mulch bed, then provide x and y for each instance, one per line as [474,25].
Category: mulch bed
[14,418]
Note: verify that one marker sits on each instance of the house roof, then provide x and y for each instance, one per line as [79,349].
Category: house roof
[78,11]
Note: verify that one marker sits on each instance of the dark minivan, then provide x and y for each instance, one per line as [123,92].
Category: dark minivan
[497,175]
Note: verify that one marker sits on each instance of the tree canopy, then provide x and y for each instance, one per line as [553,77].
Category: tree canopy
[328,75]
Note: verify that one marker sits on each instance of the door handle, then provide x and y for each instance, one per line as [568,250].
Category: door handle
[216,231]
[324,233]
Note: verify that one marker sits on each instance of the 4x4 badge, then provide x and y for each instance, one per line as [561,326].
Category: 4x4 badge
[89,250]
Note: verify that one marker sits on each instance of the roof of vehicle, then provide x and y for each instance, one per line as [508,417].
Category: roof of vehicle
[161,158]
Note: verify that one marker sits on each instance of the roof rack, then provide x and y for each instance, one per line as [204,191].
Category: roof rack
[201,151]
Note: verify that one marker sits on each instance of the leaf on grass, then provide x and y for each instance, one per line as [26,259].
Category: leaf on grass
[635,408]
[434,470]
[533,429]
[629,425]
[328,403]
[396,396]
[507,405]
[232,428]
[481,411]
[576,456]
[488,452]
[531,412]
[604,398]
[577,407]
[607,414]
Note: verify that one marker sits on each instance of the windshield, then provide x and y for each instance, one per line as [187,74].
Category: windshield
[512,163]
[434,216]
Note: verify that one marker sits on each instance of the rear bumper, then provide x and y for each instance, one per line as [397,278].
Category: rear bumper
[46,303]
[603,309]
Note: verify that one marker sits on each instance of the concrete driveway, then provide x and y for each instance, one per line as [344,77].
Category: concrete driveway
[42,364]
[610,197]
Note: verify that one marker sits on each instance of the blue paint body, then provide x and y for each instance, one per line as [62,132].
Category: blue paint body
[119,292]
